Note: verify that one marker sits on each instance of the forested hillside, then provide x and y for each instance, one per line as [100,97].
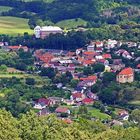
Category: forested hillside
[32,127]
[93,11]
[115,16]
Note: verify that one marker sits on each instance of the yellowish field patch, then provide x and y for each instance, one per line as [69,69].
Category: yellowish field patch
[2,95]
[4,9]
[13,25]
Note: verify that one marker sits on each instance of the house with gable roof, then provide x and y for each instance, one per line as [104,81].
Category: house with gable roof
[117,65]
[87,101]
[99,44]
[60,110]
[77,96]
[126,75]
[43,103]
[90,80]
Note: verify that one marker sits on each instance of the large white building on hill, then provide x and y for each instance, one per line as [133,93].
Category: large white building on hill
[42,32]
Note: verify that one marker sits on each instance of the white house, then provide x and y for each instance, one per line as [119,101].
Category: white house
[90,48]
[111,43]
[99,44]
[42,32]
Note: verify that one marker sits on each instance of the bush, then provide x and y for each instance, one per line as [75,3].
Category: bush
[30,81]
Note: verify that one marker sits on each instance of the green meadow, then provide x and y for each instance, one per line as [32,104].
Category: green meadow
[97,114]
[13,25]
[48,1]
[71,23]
[4,9]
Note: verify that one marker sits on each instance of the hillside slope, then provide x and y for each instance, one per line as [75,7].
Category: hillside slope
[122,16]
[13,25]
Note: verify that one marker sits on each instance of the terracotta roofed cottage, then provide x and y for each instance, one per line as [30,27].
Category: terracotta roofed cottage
[60,110]
[126,75]
[88,101]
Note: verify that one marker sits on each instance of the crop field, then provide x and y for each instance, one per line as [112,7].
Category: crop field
[13,25]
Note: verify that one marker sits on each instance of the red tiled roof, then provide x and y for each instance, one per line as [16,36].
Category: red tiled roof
[67,120]
[46,58]
[76,78]
[18,47]
[71,65]
[87,101]
[80,59]
[138,66]
[98,43]
[14,47]
[101,60]
[93,77]
[105,56]
[61,110]
[126,71]
[77,95]
[122,112]
[89,53]
[44,100]
[88,62]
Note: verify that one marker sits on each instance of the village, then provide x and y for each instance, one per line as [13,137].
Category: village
[69,69]
[101,54]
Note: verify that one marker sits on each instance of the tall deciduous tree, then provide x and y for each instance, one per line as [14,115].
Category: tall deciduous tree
[8,127]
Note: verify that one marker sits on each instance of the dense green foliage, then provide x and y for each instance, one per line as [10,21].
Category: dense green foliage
[31,127]
[106,18]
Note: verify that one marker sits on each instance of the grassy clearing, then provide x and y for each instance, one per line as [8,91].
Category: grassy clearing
[13,25]
[71,23]
[97,114]
[7,75]
[137,102]
[4,9]
[39,80]
[48,1]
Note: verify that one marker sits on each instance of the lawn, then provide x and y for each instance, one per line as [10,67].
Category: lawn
[4,9]
[48,1]
[136,99]
[136,102]
[13,25]
[6,75]
[97,114]
[71,23]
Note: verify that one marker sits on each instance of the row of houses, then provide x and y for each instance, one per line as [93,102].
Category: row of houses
[110,44]
[63,61]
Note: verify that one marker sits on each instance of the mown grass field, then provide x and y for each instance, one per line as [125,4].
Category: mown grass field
[136,102]
[4,9]
[8,75]
[97,114]
[13,25]
[71,23]
[48,1]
